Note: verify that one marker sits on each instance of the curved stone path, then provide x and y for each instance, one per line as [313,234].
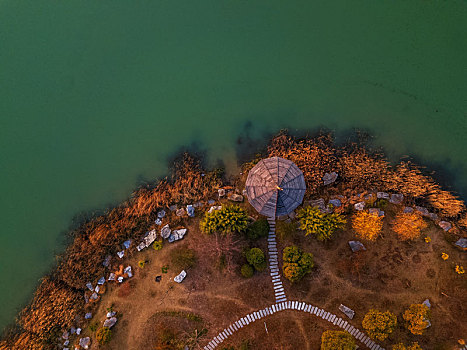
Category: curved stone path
[291,305]
[282,304]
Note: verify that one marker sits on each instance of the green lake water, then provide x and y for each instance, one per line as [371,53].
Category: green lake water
[96,95]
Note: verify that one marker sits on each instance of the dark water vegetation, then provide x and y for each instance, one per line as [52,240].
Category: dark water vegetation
[58,302]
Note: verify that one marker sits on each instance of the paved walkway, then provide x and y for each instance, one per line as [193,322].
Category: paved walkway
[282,304]
[291,305]
[274,263]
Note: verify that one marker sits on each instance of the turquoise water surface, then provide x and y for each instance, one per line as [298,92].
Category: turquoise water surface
[95,95]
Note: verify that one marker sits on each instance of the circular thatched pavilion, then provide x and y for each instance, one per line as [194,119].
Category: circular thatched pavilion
[275,187]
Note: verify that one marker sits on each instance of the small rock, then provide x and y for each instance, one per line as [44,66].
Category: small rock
[335,202]
[428,323]
[97,289]
[462,243]
[65,335]
[433,216]
[211,201]
[78,331]
[347,311]
[179,278]
[66,342]
[329,178]
[427,303]
[408,210]
[445,225]
[422,210]
[215,207]
[165,231]
[111,314]
[149,238]
[235,197]
[140,246]
[127,244]
[106,262]
[190,210]
[382,195]
[158,222]
[121,254]
[221,192]
[171,238]
[180,212]
[396,198]
[356,246]
[178,234]
[318,203]
[88,316]
[89,286]
[161,214]
[173,207]
[127,270]
[120,279]
[376,211]
[110,322]
[85,342]
[94,296]
[101,281]
[158,278]
[72,330]
[359,206]
[111,277]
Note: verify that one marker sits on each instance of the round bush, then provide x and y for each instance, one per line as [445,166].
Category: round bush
[258,229]
[296,263]
[379,324]
[103,335]
[247,271]
[255,257]
[337,340]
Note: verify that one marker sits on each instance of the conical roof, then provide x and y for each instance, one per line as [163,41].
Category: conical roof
[275,186]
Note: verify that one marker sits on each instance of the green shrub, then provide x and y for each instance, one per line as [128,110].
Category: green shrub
[296,263]
[255,257]
[103,335]
[183,258]
[157,245]
[229,219]
[337,340]
[258,229]
[322,225]
[379,324]
[285,229]
[247,271]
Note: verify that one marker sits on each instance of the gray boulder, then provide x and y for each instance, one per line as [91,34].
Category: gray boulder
[85,342]
[356,246]
[376,211]
[335,202]
[165,231]
[359,206]
[329,178]
[462,243]
[427,303]
[235,197]
[178,234]
[221,192]
[190,210]
[396,198]
[382,195]
[347,311]
[110,322]
[445,225]
[318,203]
[180,277]
[161,214]
[180,212]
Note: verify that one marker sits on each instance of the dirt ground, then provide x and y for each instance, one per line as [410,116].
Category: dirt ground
[390,275]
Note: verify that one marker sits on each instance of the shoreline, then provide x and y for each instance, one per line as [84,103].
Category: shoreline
[61,290]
